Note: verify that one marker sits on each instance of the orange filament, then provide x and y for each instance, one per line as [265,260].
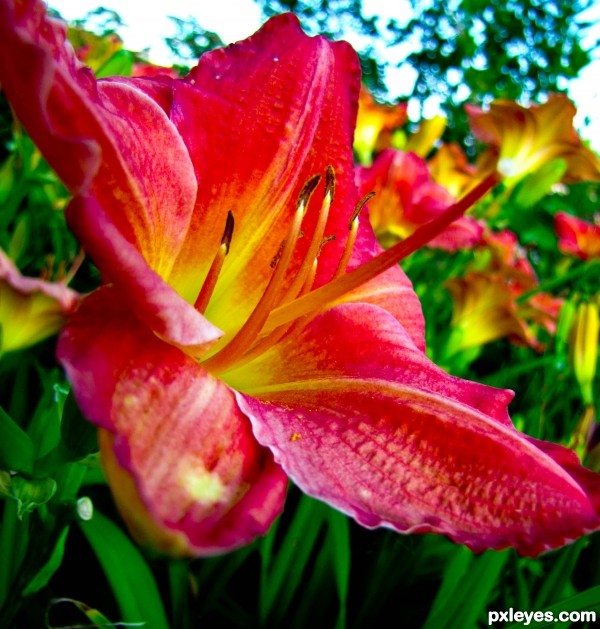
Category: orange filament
[318,299]
[280,312]
[212,276]
[246,335]
[264,342]
[352,231]
[316,242]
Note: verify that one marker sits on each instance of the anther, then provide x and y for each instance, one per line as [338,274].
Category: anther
[324,295]
[307,189]
[359,206]
[325,240]
[352,232]
[330,183]
[215,268]
[228,231]
[315,244]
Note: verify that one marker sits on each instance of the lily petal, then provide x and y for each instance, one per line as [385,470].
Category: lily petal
[577,237]
[153,300]
[257,158]
[178,439]
[30,309]
[523,139]
[107,138]
[378,431]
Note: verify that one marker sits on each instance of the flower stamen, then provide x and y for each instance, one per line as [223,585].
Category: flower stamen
[352,231]
[316,242]
[212,276]
[246,335]
[321,297]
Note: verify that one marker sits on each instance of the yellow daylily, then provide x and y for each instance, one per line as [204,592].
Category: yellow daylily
[450,168]
[522,139]
[30,309]
[374,124]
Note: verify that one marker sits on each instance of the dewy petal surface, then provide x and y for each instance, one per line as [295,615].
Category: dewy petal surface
[273,115]
[358,417]
[177,432]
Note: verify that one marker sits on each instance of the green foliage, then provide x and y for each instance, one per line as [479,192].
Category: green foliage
[127,572]
[191,41]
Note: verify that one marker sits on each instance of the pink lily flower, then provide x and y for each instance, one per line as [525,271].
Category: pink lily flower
[235,343]
[577,237]
[406,196]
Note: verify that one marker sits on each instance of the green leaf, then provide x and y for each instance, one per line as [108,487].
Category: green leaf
[285,574]
[129,576]
[31,493]
[588,601]
[466,589]
[50,567]
[93,615]
[120,64]
[338,540]
[77,433]
[44,429]
[559,578]
[539,183]
[454,574]
[16,449]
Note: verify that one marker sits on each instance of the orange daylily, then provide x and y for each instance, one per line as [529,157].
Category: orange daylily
[450,168]
[94,50]
[30,309]
[422,141]
[522,139]
[488,304]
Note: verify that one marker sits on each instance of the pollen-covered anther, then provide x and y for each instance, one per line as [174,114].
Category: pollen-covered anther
[352,231]
[343,283]
[306,268]
[212,276]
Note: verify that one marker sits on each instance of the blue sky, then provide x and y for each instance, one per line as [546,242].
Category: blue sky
[147,24]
